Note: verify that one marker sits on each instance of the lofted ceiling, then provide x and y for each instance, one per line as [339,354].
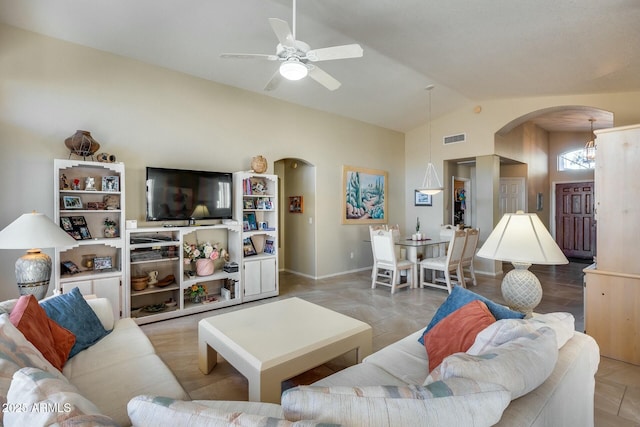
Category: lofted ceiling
[473,51]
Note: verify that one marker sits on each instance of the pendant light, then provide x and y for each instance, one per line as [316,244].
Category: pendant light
[590,146]
[431,184]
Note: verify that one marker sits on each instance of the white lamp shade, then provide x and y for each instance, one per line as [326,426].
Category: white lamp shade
[34,230]
[522,238]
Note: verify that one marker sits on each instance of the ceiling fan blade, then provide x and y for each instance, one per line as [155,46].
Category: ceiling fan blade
[335,52]
[322,77]
[274,82]
[283,32]
[249,56]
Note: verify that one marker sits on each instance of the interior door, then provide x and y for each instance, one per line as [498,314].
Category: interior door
[575,225]
[512,195]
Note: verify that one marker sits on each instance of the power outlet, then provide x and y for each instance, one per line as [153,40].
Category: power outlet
[353,255]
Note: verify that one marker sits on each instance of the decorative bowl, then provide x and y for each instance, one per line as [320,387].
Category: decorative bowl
[139,283]
[165,282]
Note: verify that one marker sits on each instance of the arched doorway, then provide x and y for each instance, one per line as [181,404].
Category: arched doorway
[297,184]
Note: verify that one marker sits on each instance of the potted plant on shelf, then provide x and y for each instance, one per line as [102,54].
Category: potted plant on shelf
[110,229]
[197,293]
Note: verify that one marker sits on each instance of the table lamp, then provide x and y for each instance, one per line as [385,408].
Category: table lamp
[522,239]
[32,231]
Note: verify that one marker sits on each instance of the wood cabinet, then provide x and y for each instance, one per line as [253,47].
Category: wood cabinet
[612,285]
[256,208]
[89,204]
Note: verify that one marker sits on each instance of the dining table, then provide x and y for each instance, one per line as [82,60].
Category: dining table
[413,247]
[429,245]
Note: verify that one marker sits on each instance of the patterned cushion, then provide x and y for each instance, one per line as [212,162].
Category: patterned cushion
[460,296]
[53,341]
[72,312]
[455,402]
[506,330]
[456,332]
[519,365]
[40,398]
[165,412]
[15,353]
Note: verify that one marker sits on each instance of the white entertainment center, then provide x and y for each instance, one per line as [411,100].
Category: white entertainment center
[150,278]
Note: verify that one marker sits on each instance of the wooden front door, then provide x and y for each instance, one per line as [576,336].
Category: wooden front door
[575,225]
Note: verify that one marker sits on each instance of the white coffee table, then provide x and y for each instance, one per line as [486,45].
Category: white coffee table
[276,341]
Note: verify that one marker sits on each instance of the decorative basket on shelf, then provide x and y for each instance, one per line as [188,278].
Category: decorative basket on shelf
[139,283]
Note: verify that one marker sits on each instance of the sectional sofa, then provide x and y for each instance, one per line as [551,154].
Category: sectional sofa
[518,372]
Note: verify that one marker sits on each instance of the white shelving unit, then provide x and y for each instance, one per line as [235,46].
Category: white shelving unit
[82,211]
[256,208]
[161,249]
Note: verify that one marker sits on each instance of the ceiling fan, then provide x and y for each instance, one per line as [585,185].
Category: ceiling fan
[296,57]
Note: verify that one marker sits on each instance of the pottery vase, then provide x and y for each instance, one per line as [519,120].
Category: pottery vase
[204,267]
[259,164]
[82,144]
[110,231]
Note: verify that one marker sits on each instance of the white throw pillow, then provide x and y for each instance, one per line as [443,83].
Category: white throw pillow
[506,330]
[519,365]
[455,402]
[15,353]
[39,398]
[160,411]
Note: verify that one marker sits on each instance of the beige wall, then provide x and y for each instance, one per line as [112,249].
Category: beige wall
[147,115]
[299,228]
[481,129]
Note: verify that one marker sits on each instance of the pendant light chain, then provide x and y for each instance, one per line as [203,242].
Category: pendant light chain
[431,183]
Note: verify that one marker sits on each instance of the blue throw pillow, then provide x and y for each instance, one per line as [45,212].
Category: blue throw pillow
[460,296]
[71,311]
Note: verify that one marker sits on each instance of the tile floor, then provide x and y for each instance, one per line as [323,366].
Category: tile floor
[392,317]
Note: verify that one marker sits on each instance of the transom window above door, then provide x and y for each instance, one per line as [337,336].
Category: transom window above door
[575,160]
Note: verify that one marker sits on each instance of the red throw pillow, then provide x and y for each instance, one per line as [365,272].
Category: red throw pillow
[456,332]
[53,341]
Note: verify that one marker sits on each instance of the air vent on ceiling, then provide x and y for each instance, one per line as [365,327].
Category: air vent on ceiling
[454,139]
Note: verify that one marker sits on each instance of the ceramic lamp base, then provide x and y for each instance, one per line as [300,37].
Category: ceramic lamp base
[521,289]
[33,272]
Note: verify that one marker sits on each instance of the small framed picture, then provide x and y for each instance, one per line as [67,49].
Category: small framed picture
[296,204]
[250,217]
[102,263]
[247,247]
[110,183]
[70,267]
[72,202]
[78,221]
[248,204]
[84,233]
[65,223]
[421,199]
[269,247]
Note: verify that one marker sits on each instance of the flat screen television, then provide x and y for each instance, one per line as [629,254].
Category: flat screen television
[180,194]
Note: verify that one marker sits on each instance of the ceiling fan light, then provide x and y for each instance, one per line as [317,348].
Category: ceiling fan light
[293,70]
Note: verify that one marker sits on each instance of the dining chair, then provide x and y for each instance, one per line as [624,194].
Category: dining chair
[470,245]
[446,264]
[446,233]
[386,265]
